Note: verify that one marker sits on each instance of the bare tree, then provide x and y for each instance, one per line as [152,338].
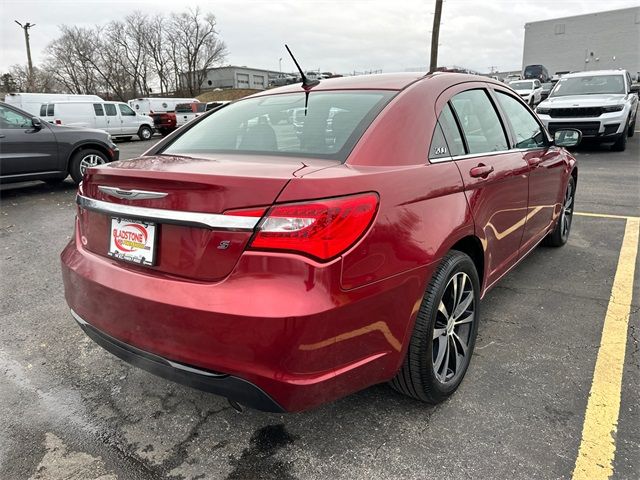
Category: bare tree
[197,47]
[122,59]
[18,79]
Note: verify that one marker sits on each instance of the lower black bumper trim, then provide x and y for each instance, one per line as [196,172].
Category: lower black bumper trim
[233,388]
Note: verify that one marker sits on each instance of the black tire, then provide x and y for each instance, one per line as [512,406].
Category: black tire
[90,157]
[632,127]
[560,234]
[621,143]
[419,375]
[145,132]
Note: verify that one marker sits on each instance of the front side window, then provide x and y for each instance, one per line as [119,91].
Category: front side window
[126,110]
[50,109]
[479,122]
[110,109]
[528,132]
[13,120]
[328,127]
[592,85]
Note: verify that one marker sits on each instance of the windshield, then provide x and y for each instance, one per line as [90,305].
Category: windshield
[589,85]
[533,70]
[328,127]
[521,85]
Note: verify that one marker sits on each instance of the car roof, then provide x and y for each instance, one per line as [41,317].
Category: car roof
[382,81]
[594,73]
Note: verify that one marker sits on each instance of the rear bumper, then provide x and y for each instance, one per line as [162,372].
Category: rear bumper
[296,336]
[227,386]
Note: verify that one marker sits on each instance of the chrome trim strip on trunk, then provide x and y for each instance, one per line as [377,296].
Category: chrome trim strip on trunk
[177,217]
[130,194]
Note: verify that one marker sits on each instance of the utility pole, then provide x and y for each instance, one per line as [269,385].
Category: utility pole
[26,28]
[435,36]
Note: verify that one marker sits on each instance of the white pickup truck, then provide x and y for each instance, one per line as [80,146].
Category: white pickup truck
[601,104]
[185,112]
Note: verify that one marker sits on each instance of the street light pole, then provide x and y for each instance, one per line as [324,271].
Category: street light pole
[26,28]
[435,36]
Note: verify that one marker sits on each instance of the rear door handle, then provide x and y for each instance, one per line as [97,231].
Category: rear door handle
[481,170]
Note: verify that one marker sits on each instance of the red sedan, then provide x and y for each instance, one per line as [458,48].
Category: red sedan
[286,265]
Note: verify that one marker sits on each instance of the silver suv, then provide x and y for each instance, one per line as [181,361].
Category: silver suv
[601,104]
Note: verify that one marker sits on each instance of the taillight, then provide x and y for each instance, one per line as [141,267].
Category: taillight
[58,121]
[322,229]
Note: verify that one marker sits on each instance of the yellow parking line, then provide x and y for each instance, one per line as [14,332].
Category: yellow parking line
[598,447]
[605,215]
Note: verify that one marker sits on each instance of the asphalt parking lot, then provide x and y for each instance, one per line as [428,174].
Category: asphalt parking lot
[71,410]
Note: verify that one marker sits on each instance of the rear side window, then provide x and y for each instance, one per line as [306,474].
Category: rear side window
[97,107]
[317,124]
[50,109]
[451,131]
[527,130]
[43,110]
[110,108]
[479,122]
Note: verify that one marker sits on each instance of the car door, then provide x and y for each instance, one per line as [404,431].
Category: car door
[25,149]
[495,178]
[114,127]
[128,119]
[101,118]
[547,168]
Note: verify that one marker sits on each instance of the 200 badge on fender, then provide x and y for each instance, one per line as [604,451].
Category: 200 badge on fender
[132,241]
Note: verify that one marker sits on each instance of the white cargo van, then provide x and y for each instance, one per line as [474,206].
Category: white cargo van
[31,102]
[115,118]
[145,106]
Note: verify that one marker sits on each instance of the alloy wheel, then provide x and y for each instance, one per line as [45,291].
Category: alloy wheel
[453,328]
[89,161]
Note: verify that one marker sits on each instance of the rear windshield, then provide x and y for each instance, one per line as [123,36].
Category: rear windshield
[589,85]
[533,70]
[328,127]
[184,108]
[524,85]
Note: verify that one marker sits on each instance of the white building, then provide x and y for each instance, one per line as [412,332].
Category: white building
[237,77]
[595,41]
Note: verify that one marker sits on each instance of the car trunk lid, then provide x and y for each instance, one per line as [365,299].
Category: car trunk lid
[186,199]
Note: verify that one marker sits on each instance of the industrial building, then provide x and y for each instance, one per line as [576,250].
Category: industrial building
[595,41]
[237,77]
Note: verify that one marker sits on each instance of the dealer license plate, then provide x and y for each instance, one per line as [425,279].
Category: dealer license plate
[132,241]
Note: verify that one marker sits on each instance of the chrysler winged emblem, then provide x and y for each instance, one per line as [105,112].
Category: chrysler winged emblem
[130,194]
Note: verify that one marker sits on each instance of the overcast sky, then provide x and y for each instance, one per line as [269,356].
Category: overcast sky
[332,35]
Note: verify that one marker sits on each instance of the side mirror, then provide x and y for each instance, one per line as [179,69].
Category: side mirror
[635,88]
[569,137]
[36,123]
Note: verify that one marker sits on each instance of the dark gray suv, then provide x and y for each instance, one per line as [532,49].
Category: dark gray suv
[32,149]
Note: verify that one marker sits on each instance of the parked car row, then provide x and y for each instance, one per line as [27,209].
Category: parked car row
[32,149]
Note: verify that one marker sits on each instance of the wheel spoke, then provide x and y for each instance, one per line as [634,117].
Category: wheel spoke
[437,332]
[467,319]
[456,356]
[462,307]
[442,349]
[462,344]
[443,310]
[446,360]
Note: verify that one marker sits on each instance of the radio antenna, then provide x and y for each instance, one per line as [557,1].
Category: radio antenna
[306,83]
